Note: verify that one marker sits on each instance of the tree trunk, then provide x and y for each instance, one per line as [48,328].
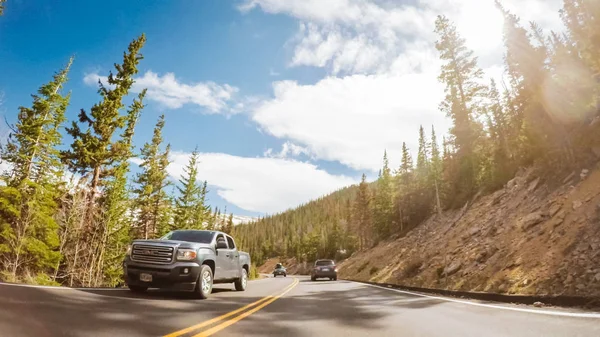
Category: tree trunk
[92,199]
[93,258]
[72,270]
[100,268]
[437,197]
[78,236]
[22,227]
[444,271]
[61,247]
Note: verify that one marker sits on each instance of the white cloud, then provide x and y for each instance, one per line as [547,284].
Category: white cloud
[349,36]
[172,94]
[366,36]
[353,119]
[288,150]
[93,79]
[383,69]
[291,149]
[261,184]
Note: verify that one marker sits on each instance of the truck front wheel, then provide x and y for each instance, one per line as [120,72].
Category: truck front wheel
[242,282]
[205,282]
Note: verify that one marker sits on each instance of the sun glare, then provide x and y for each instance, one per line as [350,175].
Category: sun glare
[480,23]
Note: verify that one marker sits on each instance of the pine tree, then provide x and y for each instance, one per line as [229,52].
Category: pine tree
[202,209]
[94,150]
[361,214]
[228,228]
[150,195]
[210,222]
[115,204]
[406,166]
[214,219]
[436,170]
[96,156]
[536,130]
[499,130]
[28,230]
[218,218]
[2,6]
[422,155]
[462,76]
[383,207]
[166,221]
[581,19]
[187,202]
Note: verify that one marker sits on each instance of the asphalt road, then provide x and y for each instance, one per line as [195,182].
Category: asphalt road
[290,307]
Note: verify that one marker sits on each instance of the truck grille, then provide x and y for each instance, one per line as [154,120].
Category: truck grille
[152,254]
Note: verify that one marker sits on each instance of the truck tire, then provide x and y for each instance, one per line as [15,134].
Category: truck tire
[242,282]
[137,289]
[274,275]
[312,278]
[204,283]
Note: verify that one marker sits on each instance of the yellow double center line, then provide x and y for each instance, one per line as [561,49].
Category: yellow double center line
[263,302]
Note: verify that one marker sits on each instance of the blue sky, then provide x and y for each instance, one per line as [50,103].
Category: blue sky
[286,100]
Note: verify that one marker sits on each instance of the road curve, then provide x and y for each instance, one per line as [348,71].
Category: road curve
[292,306]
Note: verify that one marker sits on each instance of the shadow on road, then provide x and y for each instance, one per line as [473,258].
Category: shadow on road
[47,312]
[338,303]
[27,311]
[151,294]
[317,281]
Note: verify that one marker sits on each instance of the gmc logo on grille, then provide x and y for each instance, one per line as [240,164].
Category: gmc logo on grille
[149,252]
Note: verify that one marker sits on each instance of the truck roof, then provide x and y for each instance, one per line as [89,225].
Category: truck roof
[199,230]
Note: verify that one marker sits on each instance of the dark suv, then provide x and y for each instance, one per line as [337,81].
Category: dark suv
[324,269]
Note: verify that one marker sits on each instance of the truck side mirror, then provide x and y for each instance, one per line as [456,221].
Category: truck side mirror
[221,244]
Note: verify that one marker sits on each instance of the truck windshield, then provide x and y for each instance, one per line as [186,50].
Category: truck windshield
[190,236]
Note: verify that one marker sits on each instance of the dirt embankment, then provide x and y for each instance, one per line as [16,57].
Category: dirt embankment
[527,238]
[292,266]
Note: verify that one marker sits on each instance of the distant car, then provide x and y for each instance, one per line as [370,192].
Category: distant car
[324,269]
[279,270]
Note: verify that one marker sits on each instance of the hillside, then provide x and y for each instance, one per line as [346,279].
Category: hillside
[318,228]
[530,237]
[526,238]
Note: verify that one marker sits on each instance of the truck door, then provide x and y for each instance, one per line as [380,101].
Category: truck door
[234,258]
[222,263]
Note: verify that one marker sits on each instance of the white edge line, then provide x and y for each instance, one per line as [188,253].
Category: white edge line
[542,312]
[58,287]
[69,288]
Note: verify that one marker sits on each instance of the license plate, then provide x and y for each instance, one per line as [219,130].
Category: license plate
[145,277]
[325,269]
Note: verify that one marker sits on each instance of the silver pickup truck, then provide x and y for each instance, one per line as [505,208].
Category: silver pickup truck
[186,260]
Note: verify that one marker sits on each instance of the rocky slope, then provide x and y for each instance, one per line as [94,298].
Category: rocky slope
[531,237]
[292,266]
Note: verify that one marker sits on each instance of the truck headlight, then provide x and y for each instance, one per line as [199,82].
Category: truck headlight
[128,253]
[186,254]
